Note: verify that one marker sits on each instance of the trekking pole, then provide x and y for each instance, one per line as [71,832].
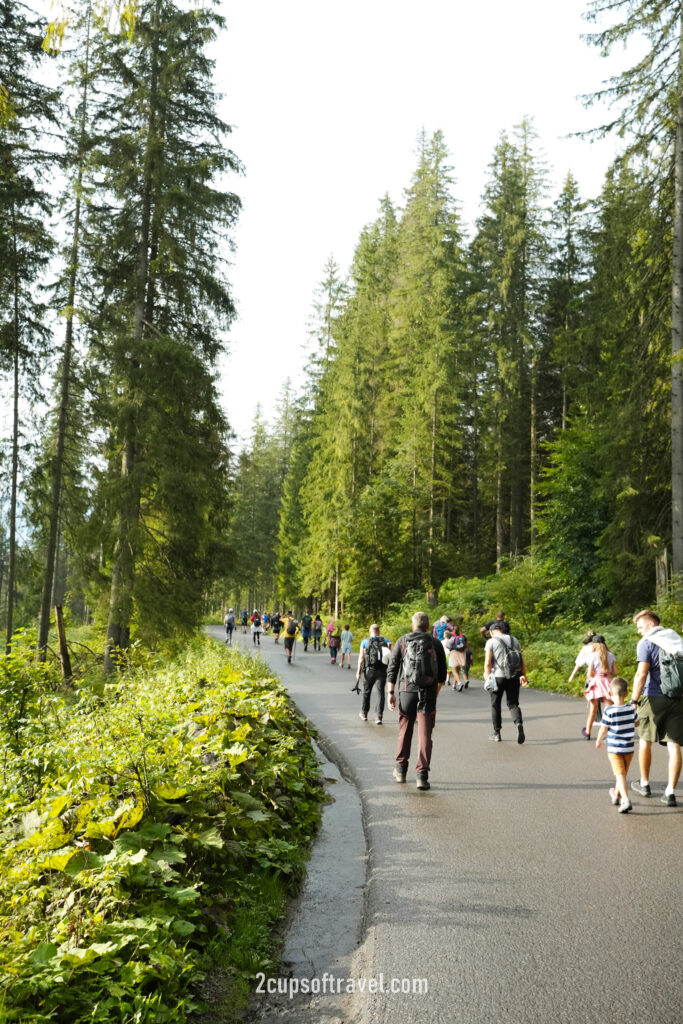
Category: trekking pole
[293,650]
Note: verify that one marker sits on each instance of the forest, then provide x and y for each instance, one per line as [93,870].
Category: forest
[500,399]
[491,416]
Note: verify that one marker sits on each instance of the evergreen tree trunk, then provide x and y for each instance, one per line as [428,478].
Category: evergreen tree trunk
[532,458]
[58,465]
[677,340]
[500,533]
[12,568]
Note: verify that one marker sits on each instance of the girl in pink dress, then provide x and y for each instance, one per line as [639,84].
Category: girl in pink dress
[602,666]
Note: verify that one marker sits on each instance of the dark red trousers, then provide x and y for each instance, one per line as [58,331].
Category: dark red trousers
[406,724]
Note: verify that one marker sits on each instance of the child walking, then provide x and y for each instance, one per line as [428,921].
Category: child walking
[602,668]
[346,641]
[619,721]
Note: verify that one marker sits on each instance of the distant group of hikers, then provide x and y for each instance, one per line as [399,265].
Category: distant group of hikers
[420,663]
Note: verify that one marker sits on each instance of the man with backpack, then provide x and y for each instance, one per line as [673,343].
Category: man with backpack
[306,626]
[291,627]
[229,621]
[371,664]
[658,695]
[418,667]
[504,661]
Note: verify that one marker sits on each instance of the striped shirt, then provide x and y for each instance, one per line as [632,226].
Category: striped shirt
[620,720]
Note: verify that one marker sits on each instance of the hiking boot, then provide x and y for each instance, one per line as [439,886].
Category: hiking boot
[669,799]
[520,733]
[422,781]
[642,788]
[399,775]
[495,736]
[363,717]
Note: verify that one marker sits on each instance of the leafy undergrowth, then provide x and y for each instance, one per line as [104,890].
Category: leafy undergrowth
[150,831]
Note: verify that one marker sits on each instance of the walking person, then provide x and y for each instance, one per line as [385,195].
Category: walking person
[229,622]
[346,642]
[418,667]
[504,660]
[330,630]
[244,620]
[306,627]
[317,631]
[334,643]
[458,659]
[659,700]
[602,666]
[374,671]
[619,725]
[276,623]
[291,627]
[256,628]
[500,621]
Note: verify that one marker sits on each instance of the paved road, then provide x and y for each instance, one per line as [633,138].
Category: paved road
[513,886]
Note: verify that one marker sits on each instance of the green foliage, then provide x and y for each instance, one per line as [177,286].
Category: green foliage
[142,830]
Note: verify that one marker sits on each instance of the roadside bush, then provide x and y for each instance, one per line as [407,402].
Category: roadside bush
[143,829]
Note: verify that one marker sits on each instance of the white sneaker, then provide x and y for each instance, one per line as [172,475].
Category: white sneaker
[625,806]
[378,720]
[363,717]
[614,797]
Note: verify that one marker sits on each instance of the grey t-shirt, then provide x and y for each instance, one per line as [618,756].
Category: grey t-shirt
[499,649]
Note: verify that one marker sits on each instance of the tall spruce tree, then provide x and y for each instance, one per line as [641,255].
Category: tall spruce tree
[424,360]
[509,249]
[154,240]
[649,98]
[25,206]
[77,152]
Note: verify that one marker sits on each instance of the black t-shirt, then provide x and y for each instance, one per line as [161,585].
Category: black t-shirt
[502,623]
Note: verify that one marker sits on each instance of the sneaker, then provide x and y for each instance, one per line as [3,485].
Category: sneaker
[520,733]
[495,736]
[363,717]
[625,806]
[422,782]
[459,687]
[614,797]
[643,789]
[467,683]
[669,799]
[378,720]
[586,735]
[399,775]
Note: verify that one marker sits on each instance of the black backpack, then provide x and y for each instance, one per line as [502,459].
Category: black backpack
[420,667]
[373,656]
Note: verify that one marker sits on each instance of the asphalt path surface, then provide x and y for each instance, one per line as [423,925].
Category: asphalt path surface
[512,886]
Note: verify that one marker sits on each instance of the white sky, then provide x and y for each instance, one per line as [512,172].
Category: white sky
[327,99]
